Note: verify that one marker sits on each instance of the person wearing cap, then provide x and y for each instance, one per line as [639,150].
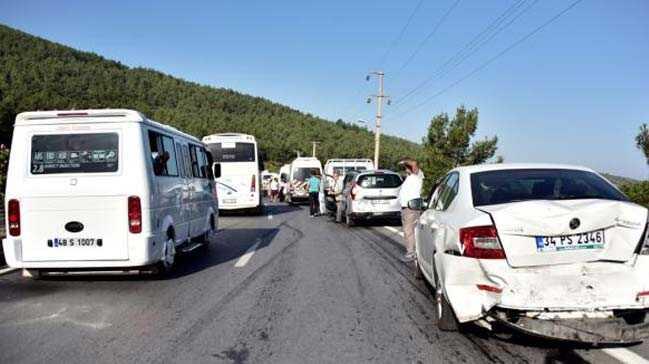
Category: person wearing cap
[410,190]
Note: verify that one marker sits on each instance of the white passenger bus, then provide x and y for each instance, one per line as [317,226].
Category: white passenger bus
[241,164]
[104,189]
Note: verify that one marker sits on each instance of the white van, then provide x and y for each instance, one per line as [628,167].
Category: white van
[343,166]
[298,175]
[284,172]
[102,189]
[241,165]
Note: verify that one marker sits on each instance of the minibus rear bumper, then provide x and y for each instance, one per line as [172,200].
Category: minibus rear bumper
[143,251]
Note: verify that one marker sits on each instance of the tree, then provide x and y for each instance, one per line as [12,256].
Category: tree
[449,144]
[642,141]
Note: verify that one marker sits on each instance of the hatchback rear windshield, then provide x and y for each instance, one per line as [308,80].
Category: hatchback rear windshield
[232,152]
[74,153]
[513,185]
[387,180]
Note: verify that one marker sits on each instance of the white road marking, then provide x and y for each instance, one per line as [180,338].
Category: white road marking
[246,257]
[396,231]
[625,355]
[7,270]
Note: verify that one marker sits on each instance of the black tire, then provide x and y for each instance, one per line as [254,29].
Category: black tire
[417,273]
[164,269]
[445,317]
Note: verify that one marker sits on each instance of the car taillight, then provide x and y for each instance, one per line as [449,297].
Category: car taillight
[481,242]
[354,191]
[134,215]
[253,184]
[13,217]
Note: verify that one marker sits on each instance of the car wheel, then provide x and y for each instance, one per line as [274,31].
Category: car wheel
[418,274]
[33,274]
[444,315]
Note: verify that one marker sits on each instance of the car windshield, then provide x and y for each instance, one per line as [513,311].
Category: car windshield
[232,152]
[74,153]
[379,180]
[513,185]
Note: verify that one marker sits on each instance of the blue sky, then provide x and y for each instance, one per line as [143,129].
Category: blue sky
[576,92]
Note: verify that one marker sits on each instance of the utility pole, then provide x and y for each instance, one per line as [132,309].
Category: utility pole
[315,144]
[379,114]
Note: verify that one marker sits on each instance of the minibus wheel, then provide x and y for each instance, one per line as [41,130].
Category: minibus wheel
[168,260]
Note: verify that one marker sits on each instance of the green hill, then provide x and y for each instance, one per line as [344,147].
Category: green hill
[36,74]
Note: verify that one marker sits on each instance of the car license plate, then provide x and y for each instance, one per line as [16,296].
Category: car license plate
[590,240]
[230,200]
[379,202]
[72,242]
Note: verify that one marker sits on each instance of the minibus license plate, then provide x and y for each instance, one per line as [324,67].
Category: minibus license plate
[230,200]
[72,242]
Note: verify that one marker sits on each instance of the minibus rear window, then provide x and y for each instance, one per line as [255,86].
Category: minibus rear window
[74,153]
[232,152]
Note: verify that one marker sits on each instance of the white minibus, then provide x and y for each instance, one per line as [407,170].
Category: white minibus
[343,166]
[103,190]
[298,175]
[241,164]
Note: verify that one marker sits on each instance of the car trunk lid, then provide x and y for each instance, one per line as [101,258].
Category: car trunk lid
[543,232]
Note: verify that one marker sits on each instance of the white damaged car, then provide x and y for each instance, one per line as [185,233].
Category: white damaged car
[554,251]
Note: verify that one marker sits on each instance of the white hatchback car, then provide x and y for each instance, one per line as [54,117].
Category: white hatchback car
[372,194]
[555,251]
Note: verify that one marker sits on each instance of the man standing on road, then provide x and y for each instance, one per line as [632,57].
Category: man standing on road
[314,190]
[338,195]
[410,190]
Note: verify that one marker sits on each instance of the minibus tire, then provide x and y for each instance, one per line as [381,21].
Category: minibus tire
[164,268]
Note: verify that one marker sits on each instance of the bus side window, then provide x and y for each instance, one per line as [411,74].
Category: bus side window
[196,171]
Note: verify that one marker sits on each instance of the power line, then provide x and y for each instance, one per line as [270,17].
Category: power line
[427,38]
[494,58]
[396,40]
[482,38]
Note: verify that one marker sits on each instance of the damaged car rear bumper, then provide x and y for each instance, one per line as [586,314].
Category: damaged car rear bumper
[606,327]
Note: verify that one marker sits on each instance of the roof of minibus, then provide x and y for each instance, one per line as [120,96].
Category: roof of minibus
[228,136]
[92,116]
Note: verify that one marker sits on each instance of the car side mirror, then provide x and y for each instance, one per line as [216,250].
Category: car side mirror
[417,204]
[216,170]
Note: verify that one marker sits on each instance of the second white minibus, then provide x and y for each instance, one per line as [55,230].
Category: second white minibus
[241,164]
[104,189]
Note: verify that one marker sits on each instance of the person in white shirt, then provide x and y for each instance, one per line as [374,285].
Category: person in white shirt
[410,190]
[338,195]
[274,190]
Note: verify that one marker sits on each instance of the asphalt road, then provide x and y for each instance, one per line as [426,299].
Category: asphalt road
[282,288]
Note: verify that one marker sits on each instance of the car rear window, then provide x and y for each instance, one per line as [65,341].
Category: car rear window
[513,185]
[74,153]
[386,180]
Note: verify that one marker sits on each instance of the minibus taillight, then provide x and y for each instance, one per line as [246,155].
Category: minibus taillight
[253,184]
[13,217]
[134,215]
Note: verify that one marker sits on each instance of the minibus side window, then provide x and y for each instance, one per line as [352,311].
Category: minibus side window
[163,154]
[202,162]
[188,163]
[198,161]
[181,164]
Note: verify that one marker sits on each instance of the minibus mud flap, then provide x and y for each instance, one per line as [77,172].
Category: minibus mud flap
[625,327]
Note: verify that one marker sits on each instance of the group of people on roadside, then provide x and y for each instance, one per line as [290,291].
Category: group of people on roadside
[410,190]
